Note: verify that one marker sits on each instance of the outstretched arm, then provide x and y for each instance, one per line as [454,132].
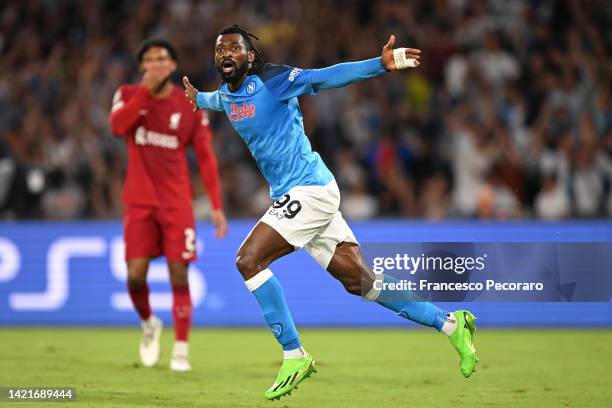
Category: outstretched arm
[343,74]
[202,100]
[288,82]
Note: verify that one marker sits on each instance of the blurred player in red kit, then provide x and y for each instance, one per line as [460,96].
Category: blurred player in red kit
[158,124]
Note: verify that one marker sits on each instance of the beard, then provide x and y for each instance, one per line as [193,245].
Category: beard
[235,75]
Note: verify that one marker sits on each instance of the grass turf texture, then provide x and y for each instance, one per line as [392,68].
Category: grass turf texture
[356,368]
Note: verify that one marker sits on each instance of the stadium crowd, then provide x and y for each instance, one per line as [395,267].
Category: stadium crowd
[509,115]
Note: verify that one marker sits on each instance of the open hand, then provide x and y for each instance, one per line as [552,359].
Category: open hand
[388,60]
[220,223]
[191,93]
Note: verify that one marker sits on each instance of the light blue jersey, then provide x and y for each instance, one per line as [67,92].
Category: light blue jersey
[266,113]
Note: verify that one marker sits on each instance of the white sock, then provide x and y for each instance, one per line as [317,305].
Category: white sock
[256,281]
[295,353]
[450,324]
[180,347]
[374,293]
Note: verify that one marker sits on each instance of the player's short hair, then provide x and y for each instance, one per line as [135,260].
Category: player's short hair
[156,42]
[236,29]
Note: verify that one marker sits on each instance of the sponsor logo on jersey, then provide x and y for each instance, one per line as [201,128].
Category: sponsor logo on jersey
[251,87]
[243,111]
[149,137]
[294,73]
[175,118]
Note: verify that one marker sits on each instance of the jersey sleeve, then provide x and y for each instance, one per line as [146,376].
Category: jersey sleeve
[287,82]
[125,111]
[207,161]
[209,100]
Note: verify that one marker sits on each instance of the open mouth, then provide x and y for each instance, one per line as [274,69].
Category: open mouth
[228,66]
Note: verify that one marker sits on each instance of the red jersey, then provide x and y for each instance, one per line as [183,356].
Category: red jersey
[158,132]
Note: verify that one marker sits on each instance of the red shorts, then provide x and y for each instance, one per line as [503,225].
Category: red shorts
[151,231]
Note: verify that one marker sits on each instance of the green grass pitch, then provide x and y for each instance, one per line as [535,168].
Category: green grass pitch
[357,368]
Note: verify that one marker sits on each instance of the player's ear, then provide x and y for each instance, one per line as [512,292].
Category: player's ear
[250,58]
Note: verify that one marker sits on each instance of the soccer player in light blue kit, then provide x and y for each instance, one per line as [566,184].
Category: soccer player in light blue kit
[261,102]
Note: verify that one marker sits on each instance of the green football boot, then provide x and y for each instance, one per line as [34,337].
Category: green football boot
[292,372]
[462,339]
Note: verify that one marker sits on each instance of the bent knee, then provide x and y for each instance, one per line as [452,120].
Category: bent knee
[136,282]
[179,274]
[352,286]
[247,265]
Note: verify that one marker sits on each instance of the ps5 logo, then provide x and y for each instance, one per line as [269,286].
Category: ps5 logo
[91,257]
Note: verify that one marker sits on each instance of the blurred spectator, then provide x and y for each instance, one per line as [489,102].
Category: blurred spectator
[495,200]
[496,65]
[587,183]
[552,201]
[357,203]
[510,113]
[604,161]
[435,203]
[473,156]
